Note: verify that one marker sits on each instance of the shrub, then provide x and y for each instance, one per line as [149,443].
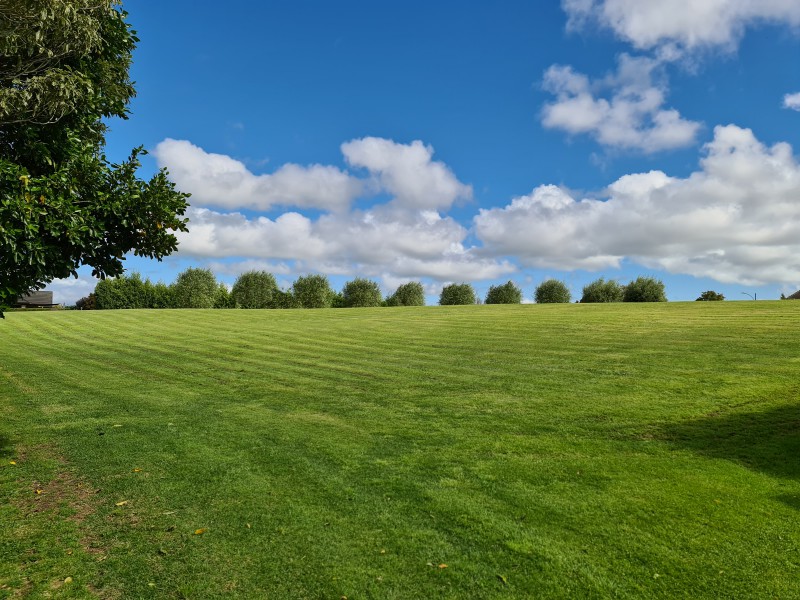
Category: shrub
[361,293]
[86,303]
[508,293]
[195,288]
[126,291]
[710,296]
[254,289]
[552,291]
[222,298]
[457,293]
[601,290]
[162,296]
[408,294]
[282,299]
[312,291]
[644,289]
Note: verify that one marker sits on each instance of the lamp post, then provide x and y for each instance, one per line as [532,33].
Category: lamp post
[753,296]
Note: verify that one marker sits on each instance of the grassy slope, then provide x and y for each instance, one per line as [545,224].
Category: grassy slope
[550,451]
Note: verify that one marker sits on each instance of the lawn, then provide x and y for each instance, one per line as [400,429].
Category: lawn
[536,451]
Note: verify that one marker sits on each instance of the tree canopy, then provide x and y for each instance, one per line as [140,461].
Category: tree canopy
[63,70]
[601,290]
[407,294]
[552,291]
[508,293]
[645,289]
[361,293]
[457,293]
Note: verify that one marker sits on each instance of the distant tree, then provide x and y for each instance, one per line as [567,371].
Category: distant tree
[162,296]
[508,293]
[222,297]
[408,294]
[552,291]
[644,289]
[601,290]
[312,291]
[284,299]
[361,293]
[125,291]
[457,293]
[710,296]
[254,289]
[337,300]
[86,303]
[195,288]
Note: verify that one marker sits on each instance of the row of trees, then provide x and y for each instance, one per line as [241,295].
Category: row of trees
[199,288]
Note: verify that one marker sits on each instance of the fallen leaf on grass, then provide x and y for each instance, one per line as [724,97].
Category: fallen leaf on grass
[121,503]
[442,566]
[12,462]
[38,491]
[200,531]
[502,579]
[136,470]
[68,580]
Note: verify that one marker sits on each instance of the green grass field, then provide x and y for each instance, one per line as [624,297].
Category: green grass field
[545,451]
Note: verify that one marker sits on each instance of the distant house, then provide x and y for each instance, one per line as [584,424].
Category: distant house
[795,296]
[43,299]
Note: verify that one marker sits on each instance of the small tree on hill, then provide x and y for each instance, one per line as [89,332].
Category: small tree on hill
[552,291]
[312,291]
[645,289]
[195,288]
[361,293]
[86,303]
[254,289]
[710,296]
[508,293]
[457,293]
[408,294]
[601,290]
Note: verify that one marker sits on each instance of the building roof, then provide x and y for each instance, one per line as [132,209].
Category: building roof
[795,296]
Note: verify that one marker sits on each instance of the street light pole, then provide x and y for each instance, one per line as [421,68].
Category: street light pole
[753,296]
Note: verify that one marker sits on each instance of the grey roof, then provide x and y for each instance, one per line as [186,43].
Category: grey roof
[37,298]
[795,296]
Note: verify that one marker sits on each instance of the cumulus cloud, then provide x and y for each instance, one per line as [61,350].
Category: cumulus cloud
[408,172]
[68,291]
[674,26]
[219,180]
[623,110]
[379,241]
[792,101]
[737,219]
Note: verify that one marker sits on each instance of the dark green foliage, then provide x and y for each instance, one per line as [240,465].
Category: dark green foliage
[711,296]
[552,291]
[508,293]
[644,289]
[86,303]
[223,298]
[195,288]
[601,290]
[361,293]
[337,300]
[408,294]
[63,70]
[313,291]
[126,291]
[284,299]
[163,296]
[457,293]
[254,289]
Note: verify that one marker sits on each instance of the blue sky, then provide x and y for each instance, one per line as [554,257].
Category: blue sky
[451,141]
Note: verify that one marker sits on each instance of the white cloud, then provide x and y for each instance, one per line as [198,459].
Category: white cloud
[219,180]
[408,172]
[68,291]
[631,116]
[792,101]
[674,26]
[379,241]
[737,219]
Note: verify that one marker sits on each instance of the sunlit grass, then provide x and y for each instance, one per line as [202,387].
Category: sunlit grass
[465,452]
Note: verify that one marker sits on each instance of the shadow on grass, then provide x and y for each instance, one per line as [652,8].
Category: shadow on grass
[6,447]
[767,441]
